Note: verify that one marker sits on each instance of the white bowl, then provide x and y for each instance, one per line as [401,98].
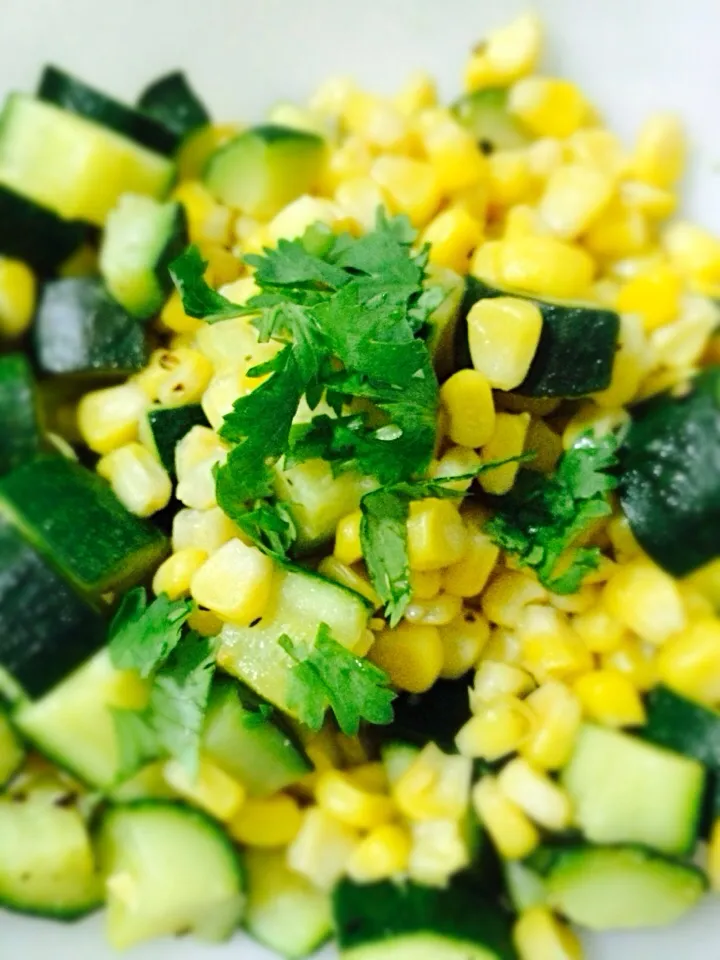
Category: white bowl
[630,56]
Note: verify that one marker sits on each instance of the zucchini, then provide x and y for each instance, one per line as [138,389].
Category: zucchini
[389,921]
[577,344]
[75,96]
[525,887]
[300,602]
[81,331]
[653,797]
[35,234]
[682,725]
[485,114]
[171,102]
[168,870]
[21,435]
[141,238]
[284,911]
[76,522]
[72,165]
[670,480]
[262,169]
[12,753]
[166,426]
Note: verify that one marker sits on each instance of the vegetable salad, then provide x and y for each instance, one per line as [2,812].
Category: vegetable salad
[359,496]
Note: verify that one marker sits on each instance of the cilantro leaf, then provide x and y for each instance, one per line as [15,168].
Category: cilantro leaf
[327,676]
[257,716]
[270,525]
[198,297]
[142,636]
[292,264]
[137,742]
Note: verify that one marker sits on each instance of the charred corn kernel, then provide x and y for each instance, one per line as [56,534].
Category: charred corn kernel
[425,584]
[536,794]
[359,199]
[267,822]
[204,530]
[652,201]
[690,662]
[494,680]
[409,186]
[453,152]
[468,577]
[334,569]
[610,698]
[321,849]
[376,120]
[383,853]
[411,654]
[347,802]
[173,317]
[207,220]
[503,645]
[508,440]
[419,92]
[436,612]
[501,727]
[188,373]
[509,52]
[545,266]
[17,297]
[108,418]
[599,148]
[468,402]
[507,596]
[556,713]
[659,155]
[620,231]
[453,235]
[503,336]
[439,850]
[294,219]
[463,640]
[510,179]
[646,600]
[139,482]
[549,107]
[538,935]
[457,462]
[575,195]
[174,576]
[485,264]
[550,647]
[435,786]
[348,548]
[436,534]
[196,149]
[212,789]
[600,632]
[713,862]
[234,582]
[545,444]
[512,832]
[681,344]
[636,661]
[655,295]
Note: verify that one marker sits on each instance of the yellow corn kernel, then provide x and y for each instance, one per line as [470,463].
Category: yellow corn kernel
[322,848]
[549,107]
[174,576]
[435,786]
[419,92]
[353,578]
[196,488]
[556,715]
[139,482]
[508,53]
[453,235]
[680,345]
[503,645]
[697,605]
[575,196]
[690,662]
[494,680]
[468,577]
[350,160]
[599,148]
[208,221]
[437,612]
[457,462]
[600,632]
[359,198]
[196,149]
[198,444]
[463,640]
[713,861]
[584,599]
[654,294]
[636,661]
[610,698]
[409,186]
[473,199]
[512,832]
[485,264]
[212,789]
[550,647]
[17,297]
[646,600]
[707,581]
[220,396]
[545,444]
[522,220]
[439,850]
[436,534]
[108,418]
[376,120]
[173,316]
[503,336]
[510,179]
[267,822]
[605,292]
[332,95]
[507,596]
[425,584]
[205,623]
[501,727]
[82,263]
[546,266]
[188,373]
[383,853]
[294,219]
[348,548]
[538,935]
[620,231]
[536,794]
[234,582]
[655,203]
[205,530]
[411,655]
[339,797]
[452,151]
[659,155]
[222,265]
[468,402]
[507,441]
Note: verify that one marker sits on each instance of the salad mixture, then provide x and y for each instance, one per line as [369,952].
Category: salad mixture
[359,512]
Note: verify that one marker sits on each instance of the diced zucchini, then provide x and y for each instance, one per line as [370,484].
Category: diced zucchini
[284,911]
[21,434]
[168,870]
[627,791]
[682,725]
[81,331]
[75,520]
[259,752]
[168,425]
[71,165]
[141,238]
[442,322]
[485,114]
[171,101]
[262,169]
[300,602]
[149,783]
[525,887]
[35,234]
[12,753]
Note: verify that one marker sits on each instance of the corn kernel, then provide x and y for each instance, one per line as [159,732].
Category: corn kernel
[599,148]
[188,373]
[332,95]
[536,794]
[550,647]
[503,336]
[268,822]
[574,197]
[174,576]
[376,120]
[425,584]
[223,266]
[600,632]
[383,853]
[549,107]
[212,789]
[707,581]
[437,612]
[109,418]
[321,849]
[646,600]
[353,578]
[411,655]
[174,318]
[510,179]
[508,53]
[359,198]
[351,160]
[409,186]
[507,441]
[457,462]
[495,679]
[636,661]
[467,399]
[503,645]
[196,488]
[522,220]
[538,935]
[436,535]
[545,444]
[207,220]
[512,833]
[690,662]
[500,728]
[681,344]
[697,605]
[204,622]
[545,266]
[294,219]
[610,698]
[205,530]
[18,291]
[713,864]
[659,155]
[655,203]
[138,481]
[507,596]
[235,582]
[468,577]
[655,295]
[348,548]
[620,231]
[463,640]
[453,235]
[556,715]
[439,850]
[452,151]
[485,264]
[435,786]
[339,797]
[581,601]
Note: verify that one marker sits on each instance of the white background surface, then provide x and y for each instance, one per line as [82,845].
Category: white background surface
[631,57]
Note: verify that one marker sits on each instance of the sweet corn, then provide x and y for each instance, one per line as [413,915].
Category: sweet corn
[556,715]
[610,698]
[108,418]
[494,680]
[697,605]
[575,196]
[539,797]
[425,584]
[485,264]
[713,862]
[439,850]
[690,662]
[419,92]
[620,231]
[348,548]
[139,482]
[681,344]
[383,853]
[196,489]
[437,612]
[507,596]
[376,120]
[267,822]
[693,250]
[435,786]
[646,600]
[223,266]
[503,336]
[500,728]
[207,220]
[654,294]
[409,186]
[351,160]
[634,660]
[17,297]
[205,530]
[655,203]
[659,155]
[333,569]
[707,581]
[549,107]
[212,790]
[294,219]
[545,444]
[468,402]
[512,832]
[82,263]
[600,632]
[463,640]
[411,655]
[453,235]
[436,535]
[321,849]
[503,645]
[545,266]
[538,935]
[599,148]
[347,802]
[522,220]
[220,396]
[332,95]
[359,198]
[510,179]
[174,576]
[468,577]
[457,462]
[452,150]
[550,647]
[174,318]
[188,373]
[234,582]
[204,622]
[508,53]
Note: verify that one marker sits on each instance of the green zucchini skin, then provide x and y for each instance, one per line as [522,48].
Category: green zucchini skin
[169,425]
[485,114]
[35,234]
[21,435]
[171,101]
[682,725]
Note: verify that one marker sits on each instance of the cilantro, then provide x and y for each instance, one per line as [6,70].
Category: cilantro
[541,518]
[136,740]
[141,636]
[326,675]
[258,716]
[198,297]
